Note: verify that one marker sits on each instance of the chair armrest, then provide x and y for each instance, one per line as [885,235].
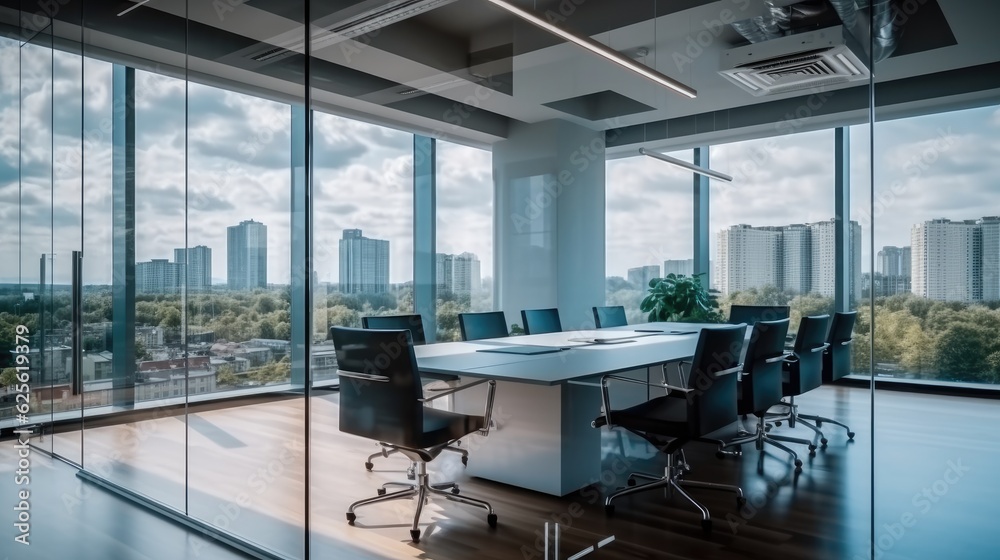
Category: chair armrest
[779,358]
[606,395]
[846,342]
[821,348]
[362,376]
[490,396]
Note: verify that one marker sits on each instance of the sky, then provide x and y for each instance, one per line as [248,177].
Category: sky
[237,168]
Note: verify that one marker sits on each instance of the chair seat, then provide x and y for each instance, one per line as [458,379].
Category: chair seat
[441,426]
[666,415]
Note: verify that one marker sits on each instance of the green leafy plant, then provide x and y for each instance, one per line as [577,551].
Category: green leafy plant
[680,298]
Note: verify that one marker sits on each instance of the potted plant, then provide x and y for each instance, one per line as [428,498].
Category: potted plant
[680,298]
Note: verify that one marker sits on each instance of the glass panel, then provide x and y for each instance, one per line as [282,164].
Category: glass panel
[45,352]
[13,311]
[245,463]
[464,259]
[650,224]
[363,224]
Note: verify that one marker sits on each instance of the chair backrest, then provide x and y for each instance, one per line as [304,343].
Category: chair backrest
[386,410]
[540,321]
[713,401]
[476,326]
[612,316]
[412,323]
[761,385]
[809,341]
[837,358]
[750,314]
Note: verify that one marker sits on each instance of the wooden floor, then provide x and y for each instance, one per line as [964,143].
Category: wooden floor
[936,488]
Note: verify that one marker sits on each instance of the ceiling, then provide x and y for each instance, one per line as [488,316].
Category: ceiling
[467,70]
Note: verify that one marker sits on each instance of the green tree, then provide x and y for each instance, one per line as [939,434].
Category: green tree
[8,377]
[225,376]
[961,353]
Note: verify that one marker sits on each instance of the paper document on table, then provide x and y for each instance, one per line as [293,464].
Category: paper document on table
[605,340]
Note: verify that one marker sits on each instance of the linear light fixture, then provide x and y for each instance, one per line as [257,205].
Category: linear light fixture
[689,166]
[598,49]
[132,7]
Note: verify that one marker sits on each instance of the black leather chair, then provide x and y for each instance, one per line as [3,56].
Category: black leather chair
[750,314]
[803,370]
[760,385]
[837,359]
[613,316]
[540,321]
[669,423]
[381,398]
[413,323]
[477,326]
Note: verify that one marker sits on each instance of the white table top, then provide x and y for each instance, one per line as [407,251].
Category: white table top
[576,360]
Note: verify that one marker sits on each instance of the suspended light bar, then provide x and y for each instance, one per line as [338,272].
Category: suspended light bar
[132,7]
[689,166]
[598,49]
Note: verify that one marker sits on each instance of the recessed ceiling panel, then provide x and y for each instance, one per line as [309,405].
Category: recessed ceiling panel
[600,105]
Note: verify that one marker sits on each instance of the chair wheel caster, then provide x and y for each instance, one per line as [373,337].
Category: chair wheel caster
[465,461]
[798,463]
[455,490]
[410,475]
[819,423]
[812,448]
[706,525]
[609,510]
[740,502]
[824,441]
[850,435]
[415,535]
[380,491]
[369,466]
[777,423]
[351,517]
[492,520]
[630,482]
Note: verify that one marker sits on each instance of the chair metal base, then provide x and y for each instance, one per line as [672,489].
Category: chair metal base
[422,489]
[794,418]
[388,449]
[820,419]
[673,480]
[762,437]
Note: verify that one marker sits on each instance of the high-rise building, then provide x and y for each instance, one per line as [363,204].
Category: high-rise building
[990,228]
[748,257]
[894,261]
[458,274]
[198,261]
[364,264]
[947,260]
[824,259]
[158,276]
[796,258]
[641,275]
[247,256]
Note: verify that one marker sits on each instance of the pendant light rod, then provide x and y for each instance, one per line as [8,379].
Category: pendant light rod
[689,166]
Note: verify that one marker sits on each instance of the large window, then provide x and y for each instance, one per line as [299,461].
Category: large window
[772,228]
[936,283]
[363,228]
[650,225]
[464,256]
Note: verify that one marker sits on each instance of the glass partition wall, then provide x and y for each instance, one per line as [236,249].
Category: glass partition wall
[193,208]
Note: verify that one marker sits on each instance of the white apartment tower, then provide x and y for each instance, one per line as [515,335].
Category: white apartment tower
[947,260]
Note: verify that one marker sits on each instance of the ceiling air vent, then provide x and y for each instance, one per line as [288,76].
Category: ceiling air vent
[816,59]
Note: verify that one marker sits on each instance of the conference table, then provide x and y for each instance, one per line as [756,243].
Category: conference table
[542,438]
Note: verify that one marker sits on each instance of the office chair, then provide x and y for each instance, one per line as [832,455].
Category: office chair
[612,316]
[837,359]
[669,423]
[383,400]
[540,321]
[413,323]
[477,326]
[760,386]
[803,371]
[750,314]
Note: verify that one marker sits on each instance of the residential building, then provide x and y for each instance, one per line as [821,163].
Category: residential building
[198,261]
[246,256]
[364,264]
[947,260]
